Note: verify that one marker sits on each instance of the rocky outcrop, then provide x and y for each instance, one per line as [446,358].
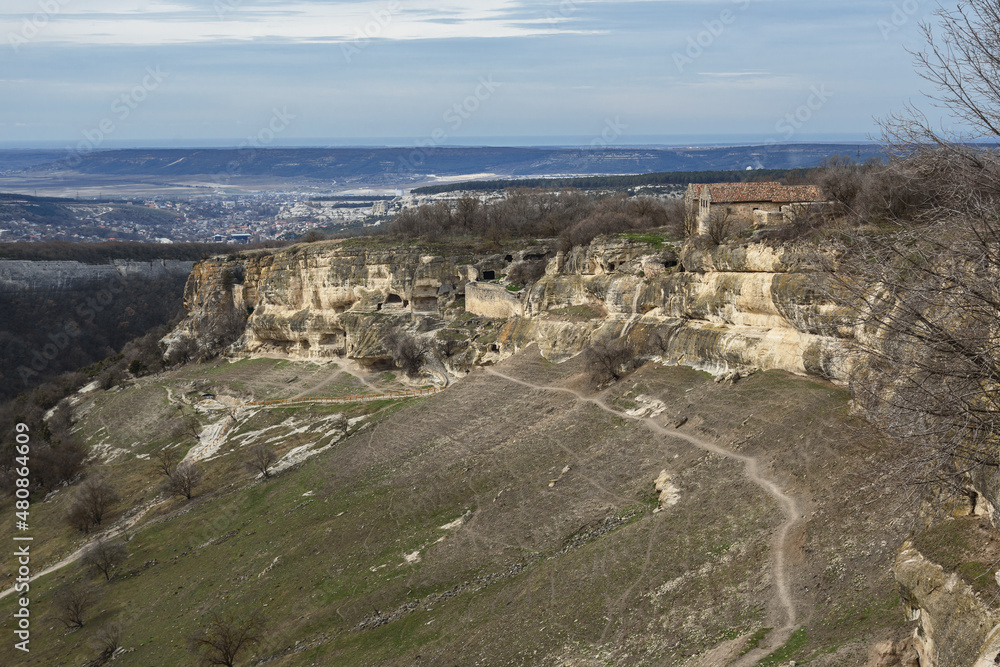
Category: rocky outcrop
[38,276]
[955,628]
[723,309]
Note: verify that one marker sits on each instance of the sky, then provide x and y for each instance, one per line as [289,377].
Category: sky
[450,72]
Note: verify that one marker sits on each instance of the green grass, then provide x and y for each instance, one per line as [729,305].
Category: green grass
[755,639]
[792,647]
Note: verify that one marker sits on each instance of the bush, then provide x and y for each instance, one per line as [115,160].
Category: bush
[524,213]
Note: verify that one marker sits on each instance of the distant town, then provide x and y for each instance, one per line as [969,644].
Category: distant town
[244,218]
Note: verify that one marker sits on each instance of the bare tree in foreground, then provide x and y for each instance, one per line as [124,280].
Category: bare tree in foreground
[926,284]
[104,557]
[225,637]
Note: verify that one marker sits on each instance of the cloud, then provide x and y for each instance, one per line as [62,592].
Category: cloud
[99,22]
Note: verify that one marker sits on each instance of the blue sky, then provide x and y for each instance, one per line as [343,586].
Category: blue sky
[403,72]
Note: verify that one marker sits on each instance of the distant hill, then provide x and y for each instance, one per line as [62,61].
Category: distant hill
[401,165]
[676,178]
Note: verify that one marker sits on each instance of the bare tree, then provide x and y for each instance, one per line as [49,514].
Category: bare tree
[261,459]
[107,641]
[185,425]
[166,461]
[720,223]
[607,362]
[526,273]
[182,351]
[104,557]
[72,602]
[225,637]
[183,480]
[962,61]
[407,351]
[91,503]
[925,285]
[225,327]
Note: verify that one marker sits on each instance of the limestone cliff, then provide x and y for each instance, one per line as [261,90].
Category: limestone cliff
[955,625]
[743,307]
[28,275]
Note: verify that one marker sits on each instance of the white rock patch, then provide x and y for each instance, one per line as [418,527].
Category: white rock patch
[648,407]
[669,494]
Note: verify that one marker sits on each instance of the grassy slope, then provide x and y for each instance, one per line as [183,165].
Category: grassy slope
[547,567]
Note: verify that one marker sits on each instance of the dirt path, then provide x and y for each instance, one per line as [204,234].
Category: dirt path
[346,366]
[788,504]
[76,555]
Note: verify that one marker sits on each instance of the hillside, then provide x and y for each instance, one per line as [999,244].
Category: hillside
[496,523]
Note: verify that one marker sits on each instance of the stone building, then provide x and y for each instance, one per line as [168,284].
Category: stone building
[747,204]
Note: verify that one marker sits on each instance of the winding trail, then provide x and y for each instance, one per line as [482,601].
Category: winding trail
[788,504]
[113,531]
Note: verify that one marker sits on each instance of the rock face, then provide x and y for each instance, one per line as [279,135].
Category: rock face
[955,628]
[726,309]
[36,276]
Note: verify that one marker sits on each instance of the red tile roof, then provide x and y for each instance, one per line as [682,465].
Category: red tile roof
[735,193]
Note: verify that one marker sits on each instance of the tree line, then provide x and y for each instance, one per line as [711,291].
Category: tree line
[571,215]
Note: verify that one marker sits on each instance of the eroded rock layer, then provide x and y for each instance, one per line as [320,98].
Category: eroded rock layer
[752,307]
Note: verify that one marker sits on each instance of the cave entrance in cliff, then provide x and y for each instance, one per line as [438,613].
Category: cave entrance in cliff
[489,275]
[508,258]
